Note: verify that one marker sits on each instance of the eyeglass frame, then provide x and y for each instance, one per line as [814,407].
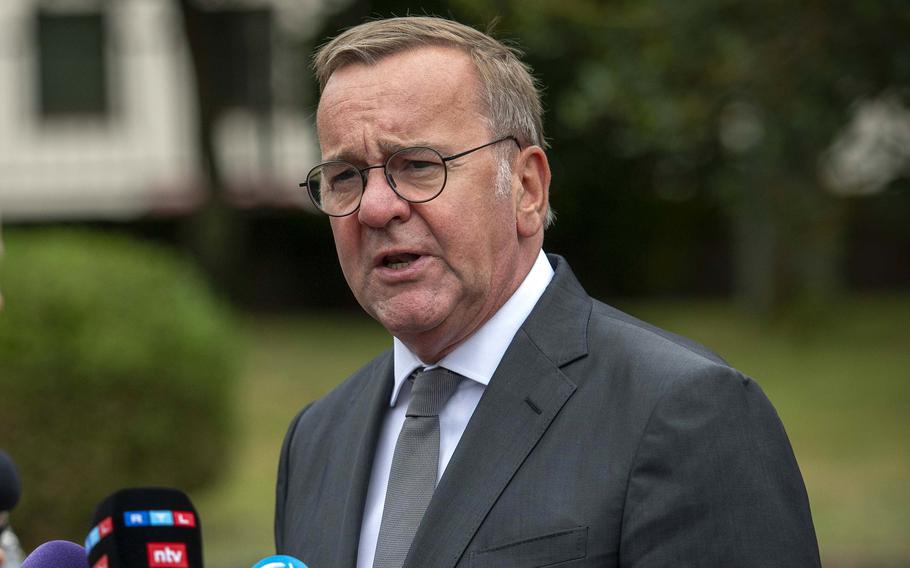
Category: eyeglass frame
[390,180]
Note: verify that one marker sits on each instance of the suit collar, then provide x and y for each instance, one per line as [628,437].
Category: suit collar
[559,323]
[524,396]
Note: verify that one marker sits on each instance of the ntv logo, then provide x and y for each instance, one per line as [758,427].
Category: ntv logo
[167,555]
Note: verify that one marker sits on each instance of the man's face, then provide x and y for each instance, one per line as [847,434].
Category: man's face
[430,273]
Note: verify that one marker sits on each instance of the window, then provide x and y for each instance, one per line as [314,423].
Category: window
[72,67]
[237,51]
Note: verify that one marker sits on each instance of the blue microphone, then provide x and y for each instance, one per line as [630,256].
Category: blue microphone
[279,561]
[57,554]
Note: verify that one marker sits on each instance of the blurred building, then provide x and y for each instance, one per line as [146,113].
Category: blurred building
[99,114]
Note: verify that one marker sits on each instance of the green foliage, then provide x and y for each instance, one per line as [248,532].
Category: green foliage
[116,369]
[742,98]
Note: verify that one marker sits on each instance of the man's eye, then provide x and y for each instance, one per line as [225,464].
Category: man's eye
[419,164]
[345,176]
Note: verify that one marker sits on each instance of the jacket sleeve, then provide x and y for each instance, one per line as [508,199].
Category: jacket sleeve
[715,482]
[281,485]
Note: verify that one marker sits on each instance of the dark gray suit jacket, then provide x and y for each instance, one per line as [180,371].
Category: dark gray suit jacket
[600,441]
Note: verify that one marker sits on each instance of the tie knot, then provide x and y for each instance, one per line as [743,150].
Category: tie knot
[431,390]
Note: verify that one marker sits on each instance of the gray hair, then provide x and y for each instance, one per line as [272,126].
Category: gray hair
[508,91]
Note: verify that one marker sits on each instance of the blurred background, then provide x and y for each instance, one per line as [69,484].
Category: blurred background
[738,172]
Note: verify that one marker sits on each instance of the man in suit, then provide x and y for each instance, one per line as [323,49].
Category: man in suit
[571,434]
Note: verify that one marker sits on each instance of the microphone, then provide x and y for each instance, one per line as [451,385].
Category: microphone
[279,561]
[10,488]
[10,492]
[57,554]
[148,527]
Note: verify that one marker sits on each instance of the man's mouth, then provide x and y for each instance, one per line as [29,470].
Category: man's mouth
[399,261]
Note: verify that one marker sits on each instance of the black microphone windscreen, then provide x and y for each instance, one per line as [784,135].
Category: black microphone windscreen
[150,527]
[10,489]
[57,554]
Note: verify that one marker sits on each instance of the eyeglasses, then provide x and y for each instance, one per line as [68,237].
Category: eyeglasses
[416,175]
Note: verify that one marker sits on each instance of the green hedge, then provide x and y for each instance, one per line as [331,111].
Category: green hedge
[117,368]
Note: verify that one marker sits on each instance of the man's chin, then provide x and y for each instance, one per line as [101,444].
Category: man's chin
[406,325]
[408,321]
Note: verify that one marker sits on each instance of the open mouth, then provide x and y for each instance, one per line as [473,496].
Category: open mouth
[399,261]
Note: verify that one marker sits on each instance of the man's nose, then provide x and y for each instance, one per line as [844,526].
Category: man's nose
[379,204]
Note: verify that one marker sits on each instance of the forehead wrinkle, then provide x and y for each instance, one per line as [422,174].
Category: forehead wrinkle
[368,116]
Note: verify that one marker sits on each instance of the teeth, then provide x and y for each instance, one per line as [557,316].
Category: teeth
[399,261]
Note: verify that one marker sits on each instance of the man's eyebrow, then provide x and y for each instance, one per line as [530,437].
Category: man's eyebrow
[387,149]
[344,155]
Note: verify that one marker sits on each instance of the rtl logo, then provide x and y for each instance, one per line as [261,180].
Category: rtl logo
[167,555]
[184,519]
[105,527]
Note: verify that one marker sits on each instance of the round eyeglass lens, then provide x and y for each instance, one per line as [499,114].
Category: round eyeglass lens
[335,187]
[417,174]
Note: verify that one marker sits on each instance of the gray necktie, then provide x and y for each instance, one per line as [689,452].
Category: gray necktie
[414,466]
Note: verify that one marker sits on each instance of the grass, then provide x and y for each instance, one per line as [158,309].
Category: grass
[841,388]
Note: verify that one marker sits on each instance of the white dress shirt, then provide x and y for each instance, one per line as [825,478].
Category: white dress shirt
[475,359]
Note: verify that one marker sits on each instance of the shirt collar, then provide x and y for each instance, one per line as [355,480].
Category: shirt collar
[479,355]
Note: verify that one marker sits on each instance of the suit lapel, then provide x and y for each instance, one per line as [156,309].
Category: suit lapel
[367,411]
[524,396]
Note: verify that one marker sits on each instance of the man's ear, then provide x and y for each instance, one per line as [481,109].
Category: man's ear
[532,176]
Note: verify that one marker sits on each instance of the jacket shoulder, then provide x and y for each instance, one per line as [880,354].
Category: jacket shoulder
[636,334]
